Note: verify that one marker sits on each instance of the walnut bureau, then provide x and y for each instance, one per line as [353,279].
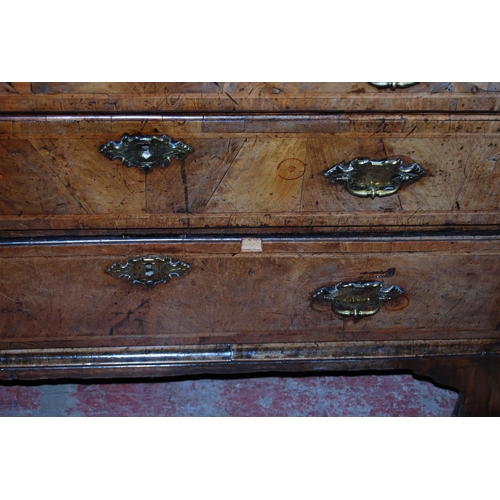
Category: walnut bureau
[153,229]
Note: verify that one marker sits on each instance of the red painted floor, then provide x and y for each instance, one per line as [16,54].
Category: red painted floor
[261,396]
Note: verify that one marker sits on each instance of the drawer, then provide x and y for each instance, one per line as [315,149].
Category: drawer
[58,294]
[122,97]
[245,171]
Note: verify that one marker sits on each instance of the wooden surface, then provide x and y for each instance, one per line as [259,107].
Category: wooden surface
[477,379]
[451,291]
[246,172]
[260,151]
[471,367]
[116,98]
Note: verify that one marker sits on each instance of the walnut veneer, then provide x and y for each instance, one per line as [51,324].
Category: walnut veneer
[258,227]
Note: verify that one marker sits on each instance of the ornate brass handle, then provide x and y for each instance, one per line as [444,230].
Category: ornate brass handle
[363,177]
[146,152]
[149,271]
[393,85]
[357,299]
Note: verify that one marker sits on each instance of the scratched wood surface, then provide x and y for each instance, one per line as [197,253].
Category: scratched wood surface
[56,97]
[246,171]
[451,291]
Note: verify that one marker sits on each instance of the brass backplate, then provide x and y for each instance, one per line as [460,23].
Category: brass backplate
[393,85]
[371,178]
[149,271]
[146,152]
[357,299]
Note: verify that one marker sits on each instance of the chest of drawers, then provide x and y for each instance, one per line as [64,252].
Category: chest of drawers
[165,229]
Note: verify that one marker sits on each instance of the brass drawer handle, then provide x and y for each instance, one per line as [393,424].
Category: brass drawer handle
[149,271]
[393,85]
[357,299]
[363,177]
[146,152]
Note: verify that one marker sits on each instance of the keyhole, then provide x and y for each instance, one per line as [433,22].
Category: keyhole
[149,270]
[145,153]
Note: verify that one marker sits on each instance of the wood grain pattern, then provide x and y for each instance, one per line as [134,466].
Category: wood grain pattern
[249,173]
[115,98]
[233,296]
[260,151]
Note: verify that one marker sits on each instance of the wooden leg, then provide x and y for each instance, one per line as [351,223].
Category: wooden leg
[481,394]
[477,379]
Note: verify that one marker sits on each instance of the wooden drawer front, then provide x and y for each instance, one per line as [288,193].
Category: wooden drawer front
[227,97]
[246,171]
[59,295]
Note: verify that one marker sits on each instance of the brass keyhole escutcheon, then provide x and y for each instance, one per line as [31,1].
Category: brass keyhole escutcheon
[149,271]
[146,152]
